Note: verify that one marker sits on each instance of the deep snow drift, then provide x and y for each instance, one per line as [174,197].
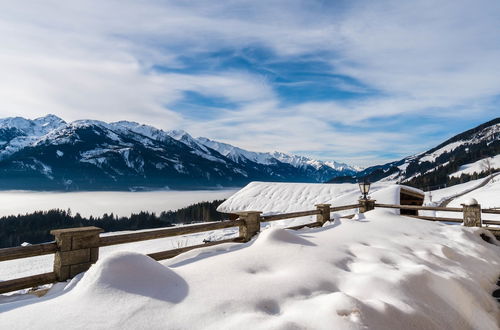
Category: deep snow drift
[382,271]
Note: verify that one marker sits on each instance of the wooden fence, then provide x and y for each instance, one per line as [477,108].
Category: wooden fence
[76,249]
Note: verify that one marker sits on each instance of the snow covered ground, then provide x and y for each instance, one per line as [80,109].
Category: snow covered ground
[377,271]
[487,196]
[380,271]
[477,167]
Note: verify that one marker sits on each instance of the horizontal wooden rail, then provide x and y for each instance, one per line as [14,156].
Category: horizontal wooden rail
[27,282]
[290,215]
[435,218]
[491,211]
[27,251]
[172,253]
[311,224]
[491,222]
[276,217]
[416,207]
[343,208]
[161,233]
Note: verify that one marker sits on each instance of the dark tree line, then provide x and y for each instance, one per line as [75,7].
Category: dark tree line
[35,227]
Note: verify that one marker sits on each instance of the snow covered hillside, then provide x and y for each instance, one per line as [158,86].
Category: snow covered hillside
[381,271]
[452,161]
[488,196]
[478,166]
[49,154]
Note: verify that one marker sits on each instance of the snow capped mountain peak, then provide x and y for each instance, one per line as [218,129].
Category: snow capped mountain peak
[178,134]
[16,122]
[322,170]
[236,154]
[126,151]
[88,122]
[49,119]
[38,126]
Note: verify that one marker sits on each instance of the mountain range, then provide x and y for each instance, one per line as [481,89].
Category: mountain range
[437,167]
[48,153]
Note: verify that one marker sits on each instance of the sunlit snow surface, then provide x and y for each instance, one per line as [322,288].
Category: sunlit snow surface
[381,271]
[478,166]
[377,271]
[282,197]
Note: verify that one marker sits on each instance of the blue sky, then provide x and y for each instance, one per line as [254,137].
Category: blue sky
[362,82]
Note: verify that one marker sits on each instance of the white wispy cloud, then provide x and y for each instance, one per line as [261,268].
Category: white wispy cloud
[98,59]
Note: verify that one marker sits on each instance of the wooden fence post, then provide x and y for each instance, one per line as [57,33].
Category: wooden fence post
[324,216]
[472,213]
[251,224]
[366,205]
[77,250]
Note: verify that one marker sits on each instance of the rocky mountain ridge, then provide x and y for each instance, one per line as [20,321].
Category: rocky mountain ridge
[48,153]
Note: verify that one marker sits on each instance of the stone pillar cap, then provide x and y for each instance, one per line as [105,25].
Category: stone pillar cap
[248,212]
[76,231]
[470,202]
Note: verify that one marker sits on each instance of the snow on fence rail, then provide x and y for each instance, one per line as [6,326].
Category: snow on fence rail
[76,249]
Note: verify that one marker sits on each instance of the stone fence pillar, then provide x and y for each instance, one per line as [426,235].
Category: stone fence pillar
[472,213]
[366,205]
[77,250]
[324,216]
[251,224]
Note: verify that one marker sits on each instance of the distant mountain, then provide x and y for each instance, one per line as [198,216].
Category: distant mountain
[435,167]
[48,153]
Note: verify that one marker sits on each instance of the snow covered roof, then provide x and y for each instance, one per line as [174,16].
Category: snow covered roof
[280,197]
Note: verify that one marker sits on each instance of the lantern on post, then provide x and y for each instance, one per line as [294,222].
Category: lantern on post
[364,187]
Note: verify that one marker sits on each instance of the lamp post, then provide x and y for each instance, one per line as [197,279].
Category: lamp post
[364,187]
[365,204]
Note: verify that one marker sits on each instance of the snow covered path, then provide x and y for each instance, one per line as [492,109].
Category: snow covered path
[447,201]
[381,271]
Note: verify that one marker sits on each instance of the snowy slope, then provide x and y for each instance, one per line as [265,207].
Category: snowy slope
[18,133]
[374,273]
[478,166]
[439,195]
[487,196]
[237,154]
[438,165]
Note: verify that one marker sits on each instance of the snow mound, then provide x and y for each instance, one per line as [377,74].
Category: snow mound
[384,272]
[273,236]
[132,273]
[470,201]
